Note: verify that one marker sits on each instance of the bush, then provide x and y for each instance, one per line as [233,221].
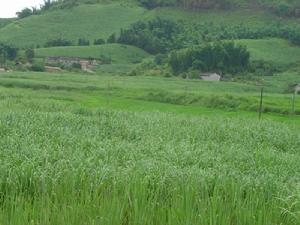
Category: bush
[221,56]
[58,42]
[112,38]
[37,67]
[76,66]
[155,36]
[99,41]
[105,59]
[264,68]
[29,53]
[24,13]
[83,42]
[7,52]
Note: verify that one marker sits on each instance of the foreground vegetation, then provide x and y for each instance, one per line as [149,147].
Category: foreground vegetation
[86,149]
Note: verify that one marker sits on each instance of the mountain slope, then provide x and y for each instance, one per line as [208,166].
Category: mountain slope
[273,50]
[84,21]
[4,21]
[99,21]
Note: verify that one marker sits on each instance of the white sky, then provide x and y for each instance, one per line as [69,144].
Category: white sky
[8,8]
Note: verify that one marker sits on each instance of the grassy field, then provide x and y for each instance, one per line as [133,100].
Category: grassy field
[84,21]
[121,54]
[90,149]
[101,20]
[274,50]
[4,22]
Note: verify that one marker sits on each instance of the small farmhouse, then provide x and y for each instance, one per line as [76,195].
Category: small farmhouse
[297,88]
[86,65]
[211,77]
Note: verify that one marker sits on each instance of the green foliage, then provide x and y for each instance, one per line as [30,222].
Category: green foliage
[25,13]
[37,67]
[112,39]
[223,57]
[155,36]
[7,52]
[99,41]
[58,42]
[83,42]
[29,54]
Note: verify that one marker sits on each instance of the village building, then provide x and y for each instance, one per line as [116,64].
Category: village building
[211,77]
[86,65]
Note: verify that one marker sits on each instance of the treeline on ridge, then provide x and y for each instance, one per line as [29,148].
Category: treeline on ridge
[281,8]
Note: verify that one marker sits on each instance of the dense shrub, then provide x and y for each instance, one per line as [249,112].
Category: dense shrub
[112,38]
[105,59]
[99,41]
[221,57]
[197,33]
[155,36]
[285,8]
[58,42]
[26,12]
[262,67]
[29,53]
[37,67]
[83,42]
[7,52]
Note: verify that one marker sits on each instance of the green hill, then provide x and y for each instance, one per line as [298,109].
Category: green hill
[274,50]
[120,54]
[91,21]
[4,22]
[84,21]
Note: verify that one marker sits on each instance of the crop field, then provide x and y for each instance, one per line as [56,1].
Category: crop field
[118,53]
[90,149]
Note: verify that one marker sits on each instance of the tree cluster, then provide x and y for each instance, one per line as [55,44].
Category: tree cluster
[7,52]
[224,57]
[155,36]
[58,42]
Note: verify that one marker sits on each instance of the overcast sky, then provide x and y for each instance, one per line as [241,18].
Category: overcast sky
[8,8]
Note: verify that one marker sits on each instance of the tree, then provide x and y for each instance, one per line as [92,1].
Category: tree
[24,13]
[83,42]
[99,41]
[112,38]
[7,52]
[29,53]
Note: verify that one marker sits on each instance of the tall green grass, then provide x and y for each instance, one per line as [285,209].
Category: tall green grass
[62,164]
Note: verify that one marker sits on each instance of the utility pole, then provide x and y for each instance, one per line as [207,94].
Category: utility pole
[297,89]
[293,103]
[261,103]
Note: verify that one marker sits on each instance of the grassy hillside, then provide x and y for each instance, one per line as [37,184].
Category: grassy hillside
[274,50]
[99,21]
[117,52]
[4,22]
[84,21]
